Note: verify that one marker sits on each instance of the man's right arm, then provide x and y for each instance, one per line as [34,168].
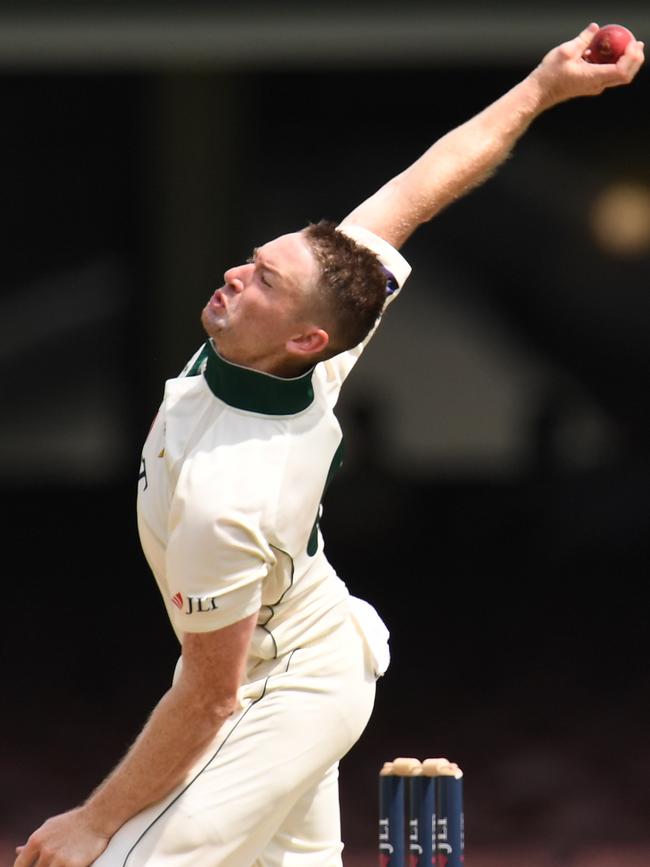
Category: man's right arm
[180,728]
[469,154]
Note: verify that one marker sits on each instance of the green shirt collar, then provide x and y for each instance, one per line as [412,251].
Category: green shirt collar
[252,390]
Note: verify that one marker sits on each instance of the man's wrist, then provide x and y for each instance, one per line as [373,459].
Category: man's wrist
[539,95]
[98,819]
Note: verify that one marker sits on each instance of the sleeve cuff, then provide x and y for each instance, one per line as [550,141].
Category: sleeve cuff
[205,613]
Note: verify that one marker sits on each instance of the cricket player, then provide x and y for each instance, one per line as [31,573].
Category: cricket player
[237,764]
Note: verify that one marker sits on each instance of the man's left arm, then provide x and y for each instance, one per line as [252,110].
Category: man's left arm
[179,730]
[470,153]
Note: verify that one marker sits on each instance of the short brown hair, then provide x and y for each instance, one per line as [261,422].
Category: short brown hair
[351,287]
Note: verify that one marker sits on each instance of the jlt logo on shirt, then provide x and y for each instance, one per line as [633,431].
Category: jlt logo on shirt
[195,604]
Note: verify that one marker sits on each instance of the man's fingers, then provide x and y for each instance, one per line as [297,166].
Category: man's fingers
[587,34]
[27,855]
[576,48]
[631,60]
[21,857]
[582,41]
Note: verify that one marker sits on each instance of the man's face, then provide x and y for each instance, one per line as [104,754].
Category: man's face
[262,305]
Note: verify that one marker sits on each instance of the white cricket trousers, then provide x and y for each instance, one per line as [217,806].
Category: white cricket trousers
[266,793]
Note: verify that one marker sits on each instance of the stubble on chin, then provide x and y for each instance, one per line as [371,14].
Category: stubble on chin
[211,325]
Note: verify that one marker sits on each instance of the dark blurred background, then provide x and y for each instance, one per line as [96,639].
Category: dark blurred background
[495,499]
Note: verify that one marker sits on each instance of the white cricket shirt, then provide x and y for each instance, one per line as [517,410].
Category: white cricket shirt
[232,476]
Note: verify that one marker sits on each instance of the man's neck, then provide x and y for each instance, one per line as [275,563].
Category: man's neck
[283,366]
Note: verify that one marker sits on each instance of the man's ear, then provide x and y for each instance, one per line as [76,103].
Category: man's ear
[310,342]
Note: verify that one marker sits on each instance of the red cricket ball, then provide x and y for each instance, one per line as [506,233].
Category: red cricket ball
[608,44]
